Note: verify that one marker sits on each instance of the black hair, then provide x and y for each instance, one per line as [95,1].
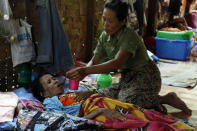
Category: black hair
[119,7]
[37,88]
[174,7]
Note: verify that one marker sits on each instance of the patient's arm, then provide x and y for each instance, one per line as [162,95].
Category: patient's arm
[106,112]
[83,95]
[94,114]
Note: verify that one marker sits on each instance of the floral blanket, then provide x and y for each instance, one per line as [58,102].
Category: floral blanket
[137,118]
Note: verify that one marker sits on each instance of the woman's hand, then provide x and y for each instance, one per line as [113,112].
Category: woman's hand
[83,95]
[76,74]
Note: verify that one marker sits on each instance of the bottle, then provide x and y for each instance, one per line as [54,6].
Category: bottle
[24,75]
[104,80]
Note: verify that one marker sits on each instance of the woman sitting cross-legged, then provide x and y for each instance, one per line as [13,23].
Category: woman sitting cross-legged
[113,113]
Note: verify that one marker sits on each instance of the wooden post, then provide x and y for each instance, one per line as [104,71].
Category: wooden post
[152,18]
[90,30]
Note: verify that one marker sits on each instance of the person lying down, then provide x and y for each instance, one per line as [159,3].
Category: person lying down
[113,113]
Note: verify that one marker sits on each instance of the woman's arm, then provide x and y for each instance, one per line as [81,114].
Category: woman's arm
[111,65]
[94,61]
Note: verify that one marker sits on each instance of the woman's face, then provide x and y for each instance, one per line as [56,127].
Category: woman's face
[110,22]
[50,85]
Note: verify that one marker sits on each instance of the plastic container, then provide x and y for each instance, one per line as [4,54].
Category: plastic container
[24,73]
[73,85]
[174,35]
[173,49]
[104,80]
[4,10]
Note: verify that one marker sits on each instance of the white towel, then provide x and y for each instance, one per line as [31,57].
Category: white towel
[8,103]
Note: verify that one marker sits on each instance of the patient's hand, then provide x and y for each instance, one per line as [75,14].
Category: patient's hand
[106,112]
[83,95]
[112,114]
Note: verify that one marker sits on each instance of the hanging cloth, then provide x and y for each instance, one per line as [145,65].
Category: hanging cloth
[54,53]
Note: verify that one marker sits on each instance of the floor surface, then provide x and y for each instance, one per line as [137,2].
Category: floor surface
[189,96]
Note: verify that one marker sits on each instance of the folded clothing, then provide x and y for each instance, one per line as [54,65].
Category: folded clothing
[23,94]
[27,100]
[9,101]
[33,105]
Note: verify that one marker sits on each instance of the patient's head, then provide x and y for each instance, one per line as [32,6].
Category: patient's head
[46,86]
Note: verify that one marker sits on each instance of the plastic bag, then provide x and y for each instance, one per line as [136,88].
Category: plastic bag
[23,49]
[132,14]
[4,10]
[7,29]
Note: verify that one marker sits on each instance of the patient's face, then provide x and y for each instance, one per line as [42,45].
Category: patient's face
[50,85]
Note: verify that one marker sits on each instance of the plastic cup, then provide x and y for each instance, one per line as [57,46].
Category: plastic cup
[73,85]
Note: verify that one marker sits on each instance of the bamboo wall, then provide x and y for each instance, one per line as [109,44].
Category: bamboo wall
[80,20]
[8,76]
